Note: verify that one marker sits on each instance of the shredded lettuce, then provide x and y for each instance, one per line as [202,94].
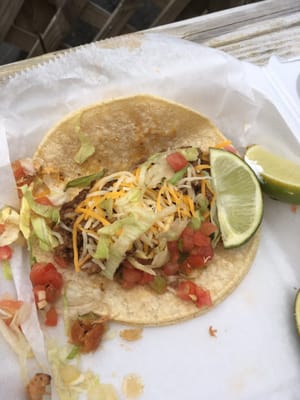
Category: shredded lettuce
[140,266]
[25,218]
[107,205]
[45,211]
[156,172]
[86,150]
[10,219]
[102,249]
[133,226]
[125,202]
[46,239]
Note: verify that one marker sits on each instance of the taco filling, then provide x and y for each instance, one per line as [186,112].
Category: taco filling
[152,226]
[130,230]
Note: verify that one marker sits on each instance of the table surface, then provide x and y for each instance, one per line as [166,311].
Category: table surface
[251,32]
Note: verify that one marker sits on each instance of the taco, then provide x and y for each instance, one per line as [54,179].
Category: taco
[134,232]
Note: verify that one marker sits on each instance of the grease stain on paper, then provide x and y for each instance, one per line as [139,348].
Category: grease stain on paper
[132,386]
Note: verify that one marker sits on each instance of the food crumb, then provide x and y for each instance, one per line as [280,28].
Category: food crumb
[131,334]
[132,386]
[212,331]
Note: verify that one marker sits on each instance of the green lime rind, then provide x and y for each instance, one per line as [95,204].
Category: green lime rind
[280,191]
[279,177]
[238,197]
[297,311]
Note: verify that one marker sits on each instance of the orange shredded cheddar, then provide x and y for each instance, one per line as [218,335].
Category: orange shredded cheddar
[191,205]
[200,167]
[84,260]
[158,201]
[137,173]
[90,213]
[223,144]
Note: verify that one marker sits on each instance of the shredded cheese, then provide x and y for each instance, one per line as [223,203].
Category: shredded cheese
[225,143]
[169,201]
[200,167]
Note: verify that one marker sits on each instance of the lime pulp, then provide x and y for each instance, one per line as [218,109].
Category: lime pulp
[238,197]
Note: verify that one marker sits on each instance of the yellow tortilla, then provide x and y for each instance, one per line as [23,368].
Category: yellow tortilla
[125,132]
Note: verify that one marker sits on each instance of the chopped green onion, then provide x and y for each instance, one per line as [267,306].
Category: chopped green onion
[196,221]
[84,181]
[190,153]
[177,176]
[159,284]
[73,353]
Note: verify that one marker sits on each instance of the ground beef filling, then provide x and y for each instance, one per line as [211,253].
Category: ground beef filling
[67,217]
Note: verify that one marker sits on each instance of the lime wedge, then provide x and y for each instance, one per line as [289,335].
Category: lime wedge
[280,178]
[238,197]
[297,311]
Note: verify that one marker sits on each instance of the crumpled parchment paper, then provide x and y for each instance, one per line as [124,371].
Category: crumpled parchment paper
[255,354]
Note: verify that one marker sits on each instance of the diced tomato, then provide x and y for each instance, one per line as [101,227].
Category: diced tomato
[146,278]
[207,228]
[185,267]
[130,275]
[187,239]
[2,228]
[200,239]
[176,161]
[61,262]
[203,297]
[185,290]
[44,200]
[52,293]
[196,261]
[5,253]
[46,273]
[173,250]
[171,268]
[51,317]
[189,291]
[230,148]
[18,170]
[205,251]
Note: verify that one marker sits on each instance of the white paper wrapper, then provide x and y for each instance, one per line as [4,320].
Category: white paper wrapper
[256,352]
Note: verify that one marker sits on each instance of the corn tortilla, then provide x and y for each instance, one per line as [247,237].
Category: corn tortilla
[125,132]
